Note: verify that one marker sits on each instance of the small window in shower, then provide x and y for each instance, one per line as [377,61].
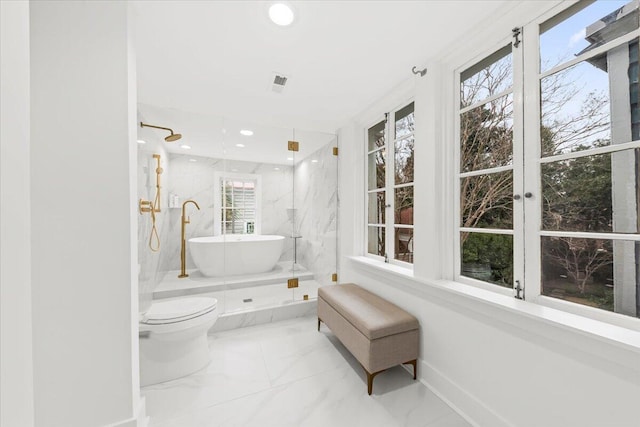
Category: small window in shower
[238,204]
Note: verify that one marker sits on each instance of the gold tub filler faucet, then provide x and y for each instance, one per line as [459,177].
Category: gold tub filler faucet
[183,242]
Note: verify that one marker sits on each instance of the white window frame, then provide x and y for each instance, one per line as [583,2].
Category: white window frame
[517,169]
[219,178]
[526,172]
[390,186]
[367,152]
[532,176]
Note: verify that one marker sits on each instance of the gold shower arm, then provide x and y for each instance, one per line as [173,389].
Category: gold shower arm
[171,138]
[144,125]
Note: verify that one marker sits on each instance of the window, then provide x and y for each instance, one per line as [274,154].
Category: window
[390,186]
[238,204]
[549,185]
[486,169]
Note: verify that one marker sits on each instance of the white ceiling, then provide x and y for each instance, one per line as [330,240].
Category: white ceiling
[217,58]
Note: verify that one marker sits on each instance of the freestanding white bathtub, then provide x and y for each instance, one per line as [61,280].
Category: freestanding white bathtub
[234,254]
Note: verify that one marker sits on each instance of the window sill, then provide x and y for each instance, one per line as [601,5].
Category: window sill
[386,267]
[569,329]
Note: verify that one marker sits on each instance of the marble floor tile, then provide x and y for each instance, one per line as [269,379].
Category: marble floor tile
[333,399]
[299,356]
[236,369]
[451,420]
[287,374]
[408,401]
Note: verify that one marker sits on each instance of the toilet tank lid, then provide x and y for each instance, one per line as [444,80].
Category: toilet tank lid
[180,308]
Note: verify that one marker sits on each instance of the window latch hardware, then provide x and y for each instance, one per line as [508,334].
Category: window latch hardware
[516,34]
[516,197]
[528,195]
[519,290]
[386,258]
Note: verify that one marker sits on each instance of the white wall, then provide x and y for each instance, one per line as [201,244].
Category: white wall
[83,226]
[499,361]
[16,369]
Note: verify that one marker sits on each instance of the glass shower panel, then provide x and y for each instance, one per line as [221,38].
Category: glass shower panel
[187,221]
[255,216]
[264,214]
[316,203]
[168,176]
[293,281]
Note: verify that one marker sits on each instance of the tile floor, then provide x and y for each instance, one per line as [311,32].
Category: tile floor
[288,374]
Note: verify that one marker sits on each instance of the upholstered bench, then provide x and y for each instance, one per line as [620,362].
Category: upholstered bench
[378,334]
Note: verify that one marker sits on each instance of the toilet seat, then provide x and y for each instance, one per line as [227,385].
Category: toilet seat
[178,310]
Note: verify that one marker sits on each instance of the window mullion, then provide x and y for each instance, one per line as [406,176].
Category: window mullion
[518,167]
[531,155]
[389,183]
[374,248]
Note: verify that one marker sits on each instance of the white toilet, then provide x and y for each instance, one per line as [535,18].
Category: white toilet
[173,338]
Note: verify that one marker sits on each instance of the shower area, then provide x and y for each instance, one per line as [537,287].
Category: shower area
[241,212]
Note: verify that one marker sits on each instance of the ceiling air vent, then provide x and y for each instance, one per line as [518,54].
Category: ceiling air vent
[279,81]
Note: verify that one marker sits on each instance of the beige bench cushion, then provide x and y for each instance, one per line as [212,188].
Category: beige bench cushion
[373,316]
[373,355]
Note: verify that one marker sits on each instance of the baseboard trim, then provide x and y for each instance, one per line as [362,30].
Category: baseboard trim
[466,405]
[139,420]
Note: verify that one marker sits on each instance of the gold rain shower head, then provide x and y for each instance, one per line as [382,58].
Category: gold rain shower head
[171,138]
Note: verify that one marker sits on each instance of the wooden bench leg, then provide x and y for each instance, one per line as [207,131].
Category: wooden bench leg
[370,380]
[415,366]
[371,376]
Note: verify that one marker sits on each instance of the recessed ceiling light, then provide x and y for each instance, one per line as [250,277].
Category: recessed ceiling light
[281,14]
[192,160]
[314,161]
[289,158]
[276,169]
[185,147]
[240,145]
[142,141]
[246,132]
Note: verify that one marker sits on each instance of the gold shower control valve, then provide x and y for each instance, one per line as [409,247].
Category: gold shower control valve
[144,206]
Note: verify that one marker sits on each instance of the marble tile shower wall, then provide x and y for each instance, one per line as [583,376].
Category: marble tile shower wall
[316,192]
[195,180]
[150,271]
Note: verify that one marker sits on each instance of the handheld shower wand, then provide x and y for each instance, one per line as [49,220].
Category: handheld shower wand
[153,207]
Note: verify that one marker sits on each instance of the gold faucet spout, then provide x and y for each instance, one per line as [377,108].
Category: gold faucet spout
[183,243]
[189,201]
